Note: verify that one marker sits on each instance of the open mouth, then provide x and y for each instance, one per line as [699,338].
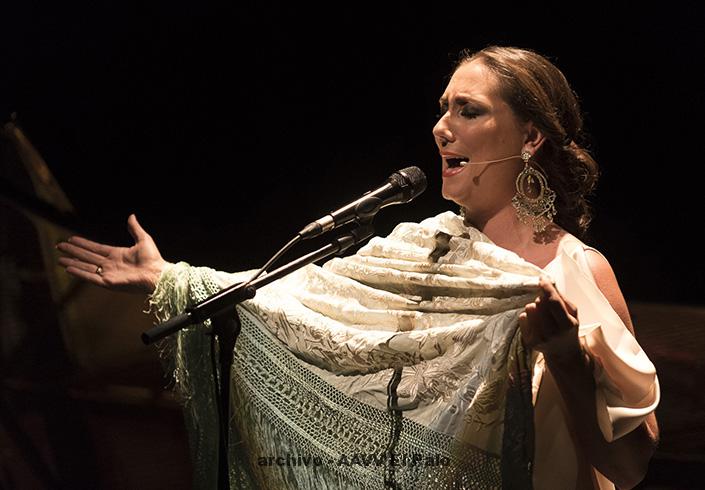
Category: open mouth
[457,162]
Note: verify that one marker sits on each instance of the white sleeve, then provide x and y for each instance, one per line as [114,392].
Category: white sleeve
[627,387]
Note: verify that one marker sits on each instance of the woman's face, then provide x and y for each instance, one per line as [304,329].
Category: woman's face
[478,124]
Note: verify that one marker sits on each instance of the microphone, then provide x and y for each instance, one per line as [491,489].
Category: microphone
[401,187]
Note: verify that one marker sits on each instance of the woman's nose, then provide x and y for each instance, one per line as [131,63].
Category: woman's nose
[442,133]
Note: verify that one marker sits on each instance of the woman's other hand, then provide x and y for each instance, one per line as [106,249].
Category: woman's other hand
[134,270]
[550,324]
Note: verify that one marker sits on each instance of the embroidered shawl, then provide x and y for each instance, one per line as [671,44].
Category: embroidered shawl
[432,307]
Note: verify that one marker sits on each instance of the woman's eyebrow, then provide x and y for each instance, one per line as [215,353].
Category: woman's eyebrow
[459,99]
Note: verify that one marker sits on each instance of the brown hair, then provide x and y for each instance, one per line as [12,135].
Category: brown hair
[537,91]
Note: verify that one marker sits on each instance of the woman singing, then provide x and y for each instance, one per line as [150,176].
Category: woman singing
[505,101]
[509,133]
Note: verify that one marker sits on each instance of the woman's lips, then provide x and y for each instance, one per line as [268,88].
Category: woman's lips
[451,171]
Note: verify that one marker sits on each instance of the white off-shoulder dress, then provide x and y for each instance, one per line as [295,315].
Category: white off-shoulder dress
[627,384]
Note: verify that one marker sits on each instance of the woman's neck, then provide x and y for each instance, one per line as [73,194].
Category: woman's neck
[506,231]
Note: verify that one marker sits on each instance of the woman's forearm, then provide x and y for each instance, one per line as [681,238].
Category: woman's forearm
[625,460]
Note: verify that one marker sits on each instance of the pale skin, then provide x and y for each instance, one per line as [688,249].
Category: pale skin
[484,128]
[476,122]
[134,269]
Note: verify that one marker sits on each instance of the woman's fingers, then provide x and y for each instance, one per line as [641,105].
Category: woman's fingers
[545,319]
[572,308]
[91,277]
[94,247]
[77,264]
[133,226]
[559,307]
[537,321]
[549,322]
[528,322]
[81,253]
[559,314]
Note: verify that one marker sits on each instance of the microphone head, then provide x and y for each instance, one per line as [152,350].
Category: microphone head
[411,180]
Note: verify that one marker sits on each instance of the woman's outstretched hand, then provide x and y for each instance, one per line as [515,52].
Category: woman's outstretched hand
[550,324]
[134,270]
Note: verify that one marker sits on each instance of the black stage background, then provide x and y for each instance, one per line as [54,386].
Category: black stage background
[227,128]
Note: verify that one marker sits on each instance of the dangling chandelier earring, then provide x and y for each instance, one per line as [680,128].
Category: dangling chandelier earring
[534,208]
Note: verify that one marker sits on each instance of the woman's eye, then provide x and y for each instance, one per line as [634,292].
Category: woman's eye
[465,113]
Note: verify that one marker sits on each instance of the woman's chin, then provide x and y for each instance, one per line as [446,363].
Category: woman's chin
[450,193]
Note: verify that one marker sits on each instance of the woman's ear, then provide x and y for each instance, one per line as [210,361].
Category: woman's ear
[533,138]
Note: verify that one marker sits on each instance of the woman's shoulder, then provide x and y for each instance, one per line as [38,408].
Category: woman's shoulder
[572,243]
[598,268]
[589,258]
[586,255]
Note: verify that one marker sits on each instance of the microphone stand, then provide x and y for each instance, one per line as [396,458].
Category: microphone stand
[226,326]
